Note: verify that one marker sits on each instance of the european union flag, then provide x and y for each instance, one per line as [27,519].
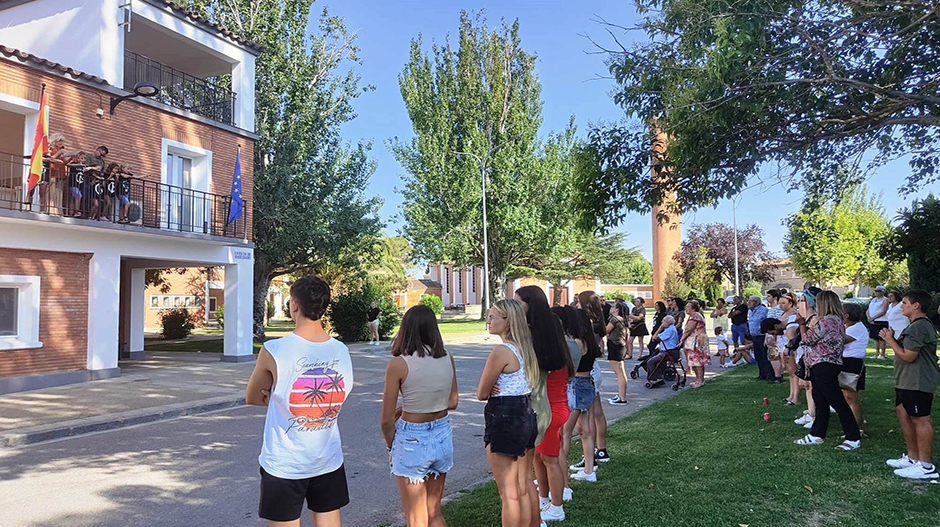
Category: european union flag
[238,204]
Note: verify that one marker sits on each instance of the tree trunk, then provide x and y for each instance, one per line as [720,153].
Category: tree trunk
[262,281]
[556,293]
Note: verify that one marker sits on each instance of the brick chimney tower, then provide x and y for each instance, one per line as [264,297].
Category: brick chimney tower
[667,235]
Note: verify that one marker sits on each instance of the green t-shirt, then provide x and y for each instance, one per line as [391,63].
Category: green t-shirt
[618,335]
[922,374]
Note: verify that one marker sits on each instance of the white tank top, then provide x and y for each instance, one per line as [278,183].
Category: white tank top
[513,383]
[301,437]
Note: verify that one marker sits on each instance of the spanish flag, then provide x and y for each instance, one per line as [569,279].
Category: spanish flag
[40,144]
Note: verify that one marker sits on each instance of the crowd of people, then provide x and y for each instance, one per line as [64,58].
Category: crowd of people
[83,184]
[543,381]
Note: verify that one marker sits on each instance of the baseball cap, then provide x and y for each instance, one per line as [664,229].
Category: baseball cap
[881,288]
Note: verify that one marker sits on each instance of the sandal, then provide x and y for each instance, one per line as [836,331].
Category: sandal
[849,445]
[809,439]
[77,215]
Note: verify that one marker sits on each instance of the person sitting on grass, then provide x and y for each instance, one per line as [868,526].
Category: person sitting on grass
[742,352]
[915,379]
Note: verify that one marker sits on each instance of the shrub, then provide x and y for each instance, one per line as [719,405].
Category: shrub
[849,294]
[347,312]
[177,323]
[712,293]
[270,310]
[750,291]
[220,316]
[434,302]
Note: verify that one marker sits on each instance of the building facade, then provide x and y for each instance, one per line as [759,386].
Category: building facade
[73,298]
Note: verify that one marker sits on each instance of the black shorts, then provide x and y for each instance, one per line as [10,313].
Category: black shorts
[875,330]
[850,365]
[802,371]
[615,351]
[916,404]
[282,500]
[511,427]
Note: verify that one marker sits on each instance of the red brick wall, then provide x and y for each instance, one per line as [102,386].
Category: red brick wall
[63,311]
[133,134]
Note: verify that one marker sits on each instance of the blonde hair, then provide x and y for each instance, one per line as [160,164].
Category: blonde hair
[518,334]
[828,303]
[56,136]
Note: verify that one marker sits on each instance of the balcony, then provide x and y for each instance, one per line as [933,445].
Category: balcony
[148,204]
[210,97]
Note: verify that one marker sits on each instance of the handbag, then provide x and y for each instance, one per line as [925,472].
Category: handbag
[849,381]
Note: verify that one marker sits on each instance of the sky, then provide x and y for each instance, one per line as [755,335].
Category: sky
[573,83]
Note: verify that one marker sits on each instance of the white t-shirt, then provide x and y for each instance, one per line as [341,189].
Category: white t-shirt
[856,348]
[896,320]
[876,305]
[722,342]
[301,437]
[791,323]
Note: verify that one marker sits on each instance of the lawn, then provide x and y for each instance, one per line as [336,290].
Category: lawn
[706,458]
[273,330]
[461,327]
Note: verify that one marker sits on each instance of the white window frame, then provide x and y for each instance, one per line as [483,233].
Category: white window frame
[200,170]
[27,321]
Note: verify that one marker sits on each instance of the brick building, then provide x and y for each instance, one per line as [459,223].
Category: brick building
[72,293]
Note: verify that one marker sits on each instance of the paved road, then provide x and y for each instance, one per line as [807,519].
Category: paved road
[202,470]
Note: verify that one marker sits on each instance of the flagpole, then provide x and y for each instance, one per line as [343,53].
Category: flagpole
[42,126]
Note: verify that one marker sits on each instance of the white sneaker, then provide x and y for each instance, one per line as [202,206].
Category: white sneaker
[808,424]
[581,475]
[544,503]
[567,495]
[901,462]
[553,513]
[917,471]
[803,419]
[616,400]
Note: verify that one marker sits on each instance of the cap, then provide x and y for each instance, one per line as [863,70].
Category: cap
[881,288]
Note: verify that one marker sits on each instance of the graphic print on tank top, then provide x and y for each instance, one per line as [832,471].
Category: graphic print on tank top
[316,397]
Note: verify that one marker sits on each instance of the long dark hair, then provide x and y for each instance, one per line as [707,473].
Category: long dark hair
[591,304]
[418,333]
[548,336]
[589,335]
[660,307]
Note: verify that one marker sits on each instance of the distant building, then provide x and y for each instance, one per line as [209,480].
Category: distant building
[783,276]
[417,288]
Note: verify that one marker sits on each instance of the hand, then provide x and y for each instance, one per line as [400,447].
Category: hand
[887,334]
[495,391]
[800,319]
[397,414]
[266,395]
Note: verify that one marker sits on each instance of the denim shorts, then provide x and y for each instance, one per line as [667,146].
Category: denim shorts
[581,393]
[597,376]
[421,450]
[511,427]
[76,192]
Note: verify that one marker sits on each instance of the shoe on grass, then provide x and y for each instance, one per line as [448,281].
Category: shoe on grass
[809,439]
[808,424]
[577,466]
[901,462]
[601,456]
[917,471]
[553,513]
[849,445]
[616,400]
[567,495]
[581,475]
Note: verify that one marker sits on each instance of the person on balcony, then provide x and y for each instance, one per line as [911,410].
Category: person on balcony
[124,176]
[54,167]
[81,167]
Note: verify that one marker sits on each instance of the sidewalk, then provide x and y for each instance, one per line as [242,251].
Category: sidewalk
[164,385]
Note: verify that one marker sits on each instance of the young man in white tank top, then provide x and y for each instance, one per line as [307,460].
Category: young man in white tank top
[303,379]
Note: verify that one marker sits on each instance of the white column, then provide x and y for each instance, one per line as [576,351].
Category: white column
[104,290]
[239,276]
[138,288]
[243,84]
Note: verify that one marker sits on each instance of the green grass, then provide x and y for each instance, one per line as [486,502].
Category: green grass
[459,327]
[706,458]
[211,345]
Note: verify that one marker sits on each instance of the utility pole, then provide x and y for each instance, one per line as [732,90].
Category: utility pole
[734,216]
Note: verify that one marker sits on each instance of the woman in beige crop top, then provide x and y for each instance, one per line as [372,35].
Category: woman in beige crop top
[418,433]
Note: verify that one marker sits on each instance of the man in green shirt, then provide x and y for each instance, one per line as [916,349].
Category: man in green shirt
[915,379]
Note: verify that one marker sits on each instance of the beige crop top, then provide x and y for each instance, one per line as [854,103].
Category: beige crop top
[427,387]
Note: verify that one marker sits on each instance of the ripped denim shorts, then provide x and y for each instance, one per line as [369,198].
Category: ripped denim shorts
[421,450]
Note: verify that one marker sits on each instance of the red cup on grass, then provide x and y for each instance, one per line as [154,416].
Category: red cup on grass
[766,417]
[766,401]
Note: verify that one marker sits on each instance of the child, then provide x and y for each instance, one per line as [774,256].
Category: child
[768,327]
[742,352]
[303,379]
[915,377]
[722,342]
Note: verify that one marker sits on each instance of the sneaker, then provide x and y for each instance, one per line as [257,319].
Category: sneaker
[731,365]
[805,418]
[554,513]
[915,471]
[901,462]
[567,495]
[577,466]
[616,400]
[583,476]
[809,424]
[601,456]
[544,504]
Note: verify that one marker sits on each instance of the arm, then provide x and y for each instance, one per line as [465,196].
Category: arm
[262,377]
[881,312]
[495,364]
[610,327]
[900,351]
[395,373]
[454,394]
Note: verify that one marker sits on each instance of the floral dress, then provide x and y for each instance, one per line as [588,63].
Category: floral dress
[696,345]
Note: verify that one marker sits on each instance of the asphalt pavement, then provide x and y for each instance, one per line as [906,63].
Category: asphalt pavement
[202,470]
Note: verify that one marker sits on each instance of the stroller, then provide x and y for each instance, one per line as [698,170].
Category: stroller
[669,369]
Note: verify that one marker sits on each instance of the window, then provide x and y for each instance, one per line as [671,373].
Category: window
[447,279]
[212,304]
[19,312]
[174,301]
[473,280]
[186,174]
[154,301]
[459,281]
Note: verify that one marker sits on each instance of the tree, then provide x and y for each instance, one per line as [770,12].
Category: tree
[840,239]
[806,85]
[390,263]
[473,109]
[309,209]
[701,273]
[718,241]
[917,240]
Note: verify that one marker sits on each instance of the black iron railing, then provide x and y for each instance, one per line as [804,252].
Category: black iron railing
[210,98]
[71,192]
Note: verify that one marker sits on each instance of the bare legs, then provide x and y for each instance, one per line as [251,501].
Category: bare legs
[422,502]
[855,404]
[617,366]
[551,477]
[320,519]
[373,333]
[778,368]
[918,435]
[600,425]
[530,500]
[794,380]
[587,432]
[699,376]
[510,476]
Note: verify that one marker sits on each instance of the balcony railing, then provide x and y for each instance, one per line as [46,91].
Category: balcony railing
[206,97]
[69,192]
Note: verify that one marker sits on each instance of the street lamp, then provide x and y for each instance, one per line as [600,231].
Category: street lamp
[486,251]
[141,89]
[734,219]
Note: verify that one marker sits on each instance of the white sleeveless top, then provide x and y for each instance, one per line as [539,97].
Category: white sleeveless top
[513,383]
[301,437]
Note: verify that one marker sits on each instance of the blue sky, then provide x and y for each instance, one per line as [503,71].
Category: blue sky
[569,72]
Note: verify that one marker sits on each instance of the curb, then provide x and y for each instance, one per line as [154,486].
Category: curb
[40,434]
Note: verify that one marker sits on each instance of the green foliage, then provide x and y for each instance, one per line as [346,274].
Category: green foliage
[474,108]
[347,312]
[434,302]
[220,316]
[751,290]
[849,294]
[390,263]
[176,323]
[713,293]
[270,310]
[701,270]
[839,240]
[738,84]
[918,239]
[675,285]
